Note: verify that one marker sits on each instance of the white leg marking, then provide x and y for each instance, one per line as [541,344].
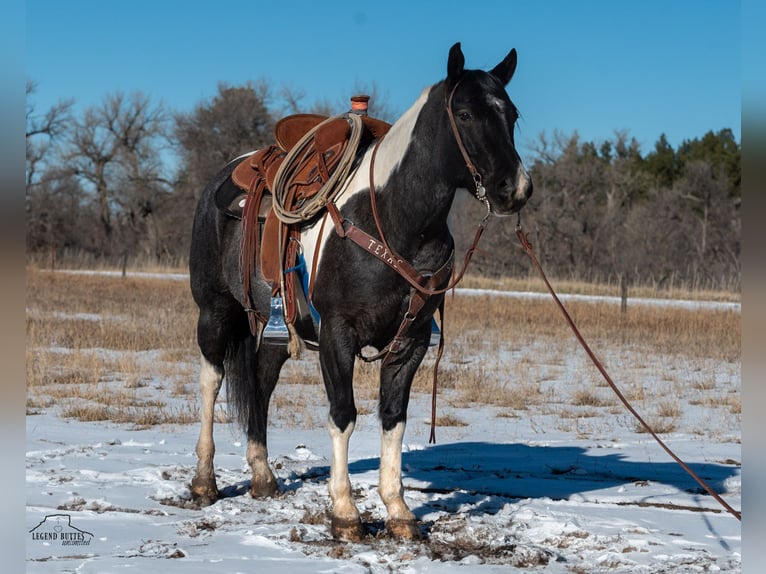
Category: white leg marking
[257,456]
[210,383]
[343,506]
[390,489]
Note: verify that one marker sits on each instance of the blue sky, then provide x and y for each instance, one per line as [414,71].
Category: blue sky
[592,66]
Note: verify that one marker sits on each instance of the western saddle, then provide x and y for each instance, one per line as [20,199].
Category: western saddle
[287,184]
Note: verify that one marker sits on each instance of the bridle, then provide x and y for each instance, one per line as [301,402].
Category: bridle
[480,191]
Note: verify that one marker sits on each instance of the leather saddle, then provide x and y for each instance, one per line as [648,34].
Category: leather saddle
[254,177]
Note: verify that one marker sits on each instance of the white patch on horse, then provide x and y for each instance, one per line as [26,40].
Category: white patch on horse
[340,484]
[497,103]
[210,378]
[392,150]
[390,489]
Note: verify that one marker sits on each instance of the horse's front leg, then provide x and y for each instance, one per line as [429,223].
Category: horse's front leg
[336,357]
[396,376]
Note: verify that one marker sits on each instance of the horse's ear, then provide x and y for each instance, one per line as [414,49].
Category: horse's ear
[455,65]
[505,69]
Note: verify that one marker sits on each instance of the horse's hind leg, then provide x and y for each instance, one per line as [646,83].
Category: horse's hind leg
[203,486]
[212,346]
[270,360]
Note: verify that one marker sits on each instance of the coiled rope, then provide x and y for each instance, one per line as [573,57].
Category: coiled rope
[295,158]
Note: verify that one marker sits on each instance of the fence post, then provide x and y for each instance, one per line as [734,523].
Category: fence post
[624,293]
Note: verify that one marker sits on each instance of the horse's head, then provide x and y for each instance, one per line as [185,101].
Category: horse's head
[482,119]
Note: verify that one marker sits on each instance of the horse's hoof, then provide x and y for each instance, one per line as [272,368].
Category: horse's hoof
[404,529]
[347,530]
[265,489]
[204,491]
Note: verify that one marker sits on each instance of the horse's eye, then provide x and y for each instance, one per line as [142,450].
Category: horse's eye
[463,116]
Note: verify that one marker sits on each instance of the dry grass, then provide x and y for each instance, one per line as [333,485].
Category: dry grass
[525,359]
[591,398]
[450,420]
[124,349]
[114,313]
[110,348]
[489,323]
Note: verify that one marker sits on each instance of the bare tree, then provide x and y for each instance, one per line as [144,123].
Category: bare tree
[235,121]
[115,152]
[599,212]
[568,205]
[42,130]
[60,216]
[606,213]
[710,219]
[43,188]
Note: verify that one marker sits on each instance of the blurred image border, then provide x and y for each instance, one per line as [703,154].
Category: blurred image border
[12,264]
[12,258]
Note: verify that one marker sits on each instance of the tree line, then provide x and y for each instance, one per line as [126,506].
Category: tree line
[607,213]
[120,179]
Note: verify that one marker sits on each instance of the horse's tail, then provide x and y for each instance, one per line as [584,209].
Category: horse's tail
[242,388]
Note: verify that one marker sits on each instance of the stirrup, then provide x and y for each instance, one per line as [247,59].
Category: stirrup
[275,332]
[435,334]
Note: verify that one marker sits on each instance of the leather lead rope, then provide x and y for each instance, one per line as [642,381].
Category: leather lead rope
[439,351]
[528,248]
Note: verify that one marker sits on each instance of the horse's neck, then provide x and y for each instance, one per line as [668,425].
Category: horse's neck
[412,194]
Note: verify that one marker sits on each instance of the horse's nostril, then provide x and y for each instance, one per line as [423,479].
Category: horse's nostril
[529,189]
[518,188]
[523,186]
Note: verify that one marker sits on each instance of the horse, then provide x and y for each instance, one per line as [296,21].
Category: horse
[458,135]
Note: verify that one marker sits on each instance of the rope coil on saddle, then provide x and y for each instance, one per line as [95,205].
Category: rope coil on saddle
[327,193]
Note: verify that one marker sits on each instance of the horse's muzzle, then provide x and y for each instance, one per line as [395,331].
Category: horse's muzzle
[513,193]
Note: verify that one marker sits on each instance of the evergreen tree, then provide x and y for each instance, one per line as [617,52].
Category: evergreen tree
[662,163]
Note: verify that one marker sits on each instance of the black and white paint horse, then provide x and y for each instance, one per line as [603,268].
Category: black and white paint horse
[418,168]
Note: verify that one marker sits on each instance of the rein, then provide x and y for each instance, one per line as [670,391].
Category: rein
[528,248]
[481,194]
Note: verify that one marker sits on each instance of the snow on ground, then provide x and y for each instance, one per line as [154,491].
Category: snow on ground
[565,297]
[550,502]
[521,489]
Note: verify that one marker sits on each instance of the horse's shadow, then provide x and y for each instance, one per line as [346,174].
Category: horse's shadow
[481,478]
[485,476]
